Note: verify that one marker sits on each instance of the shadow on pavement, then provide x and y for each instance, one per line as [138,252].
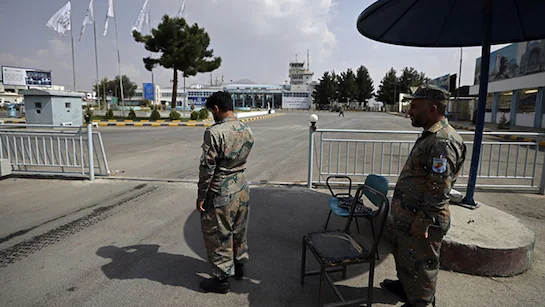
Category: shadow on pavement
[145,262]
[279,218]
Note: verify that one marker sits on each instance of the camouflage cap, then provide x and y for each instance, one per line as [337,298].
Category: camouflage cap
[431,92]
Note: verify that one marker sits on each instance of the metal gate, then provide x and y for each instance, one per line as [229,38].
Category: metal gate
[45,149]
[506,164]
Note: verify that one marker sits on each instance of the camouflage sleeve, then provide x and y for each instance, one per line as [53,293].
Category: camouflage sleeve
[441,164]
[207,164]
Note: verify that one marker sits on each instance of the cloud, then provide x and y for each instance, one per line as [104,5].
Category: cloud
[58,47]
[10,59]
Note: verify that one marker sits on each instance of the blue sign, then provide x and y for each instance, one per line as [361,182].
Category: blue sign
[149,91]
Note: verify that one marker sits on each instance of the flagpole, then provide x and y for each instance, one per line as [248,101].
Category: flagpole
[96,54]
[149,27]
[73,53]
[119,63]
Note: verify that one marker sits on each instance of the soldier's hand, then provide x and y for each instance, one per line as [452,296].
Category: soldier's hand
[200,205]
[418,230]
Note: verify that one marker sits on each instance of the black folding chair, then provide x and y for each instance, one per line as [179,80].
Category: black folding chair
[335,250]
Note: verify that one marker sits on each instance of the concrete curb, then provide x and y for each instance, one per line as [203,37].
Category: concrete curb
[249,119]
[483,242]
[506,136]
[158,123]
[154,124]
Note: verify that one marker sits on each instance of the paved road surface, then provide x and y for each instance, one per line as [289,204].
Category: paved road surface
[280,153]
[134,244]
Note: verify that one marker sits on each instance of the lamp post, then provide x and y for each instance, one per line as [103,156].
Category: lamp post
[313,120]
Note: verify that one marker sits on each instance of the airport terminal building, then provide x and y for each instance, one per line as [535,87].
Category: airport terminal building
[297,94]
[516,91]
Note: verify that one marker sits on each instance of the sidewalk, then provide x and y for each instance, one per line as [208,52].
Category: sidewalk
[133,243]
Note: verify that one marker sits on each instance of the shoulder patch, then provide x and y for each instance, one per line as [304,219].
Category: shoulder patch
[439,165]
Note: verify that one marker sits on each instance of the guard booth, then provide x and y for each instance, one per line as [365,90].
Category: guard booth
[48,107]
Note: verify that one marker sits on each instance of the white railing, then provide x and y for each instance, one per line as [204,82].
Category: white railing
[59,150]
[503,163]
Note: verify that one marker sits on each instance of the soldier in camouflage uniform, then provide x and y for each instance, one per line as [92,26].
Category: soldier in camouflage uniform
[421,196]
[223,193]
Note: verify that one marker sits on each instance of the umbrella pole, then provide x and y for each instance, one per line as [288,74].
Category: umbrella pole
[481,108]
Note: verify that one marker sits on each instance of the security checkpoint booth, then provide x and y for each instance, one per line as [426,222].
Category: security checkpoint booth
[48,107]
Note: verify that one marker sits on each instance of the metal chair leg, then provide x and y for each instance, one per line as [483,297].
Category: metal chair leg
[327,222]
[322,283]
[370,284]
[303,262]
[374,236]
[357,224]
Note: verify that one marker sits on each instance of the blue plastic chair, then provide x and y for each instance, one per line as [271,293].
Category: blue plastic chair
[376,182]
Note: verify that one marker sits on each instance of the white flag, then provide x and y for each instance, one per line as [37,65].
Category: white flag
[181,11]
[89,18]
[108,15]
[143,18]
[60,21]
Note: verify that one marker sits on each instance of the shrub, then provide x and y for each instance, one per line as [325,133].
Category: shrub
[194,115]
[110,114]
[132,115]
[203,113]
[155,115]
[192,106]
[174,115]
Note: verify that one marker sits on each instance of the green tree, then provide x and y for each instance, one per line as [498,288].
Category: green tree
[348,89]
[387,89]
[112,88]
[102,90]
[182,47]
[325,90]
[129,87]
[410,77]
[365,85]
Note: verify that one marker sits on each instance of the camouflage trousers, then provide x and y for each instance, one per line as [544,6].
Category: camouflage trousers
[417,259]
[224,226]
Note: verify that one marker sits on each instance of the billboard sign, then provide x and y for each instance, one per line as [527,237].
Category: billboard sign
[149,91]
[25,76]
[515,60]
[442,82]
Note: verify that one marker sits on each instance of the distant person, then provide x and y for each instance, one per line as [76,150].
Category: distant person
[223,193]
[341,112]
[421,197]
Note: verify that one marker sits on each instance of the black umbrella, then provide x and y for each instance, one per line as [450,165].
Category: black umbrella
[456,23]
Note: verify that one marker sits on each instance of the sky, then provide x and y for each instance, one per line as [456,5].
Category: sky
[256,40]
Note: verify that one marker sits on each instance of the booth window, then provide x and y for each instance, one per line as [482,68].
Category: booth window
[68,105]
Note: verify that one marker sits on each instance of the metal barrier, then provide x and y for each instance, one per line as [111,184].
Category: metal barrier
[505,164]
[57,150]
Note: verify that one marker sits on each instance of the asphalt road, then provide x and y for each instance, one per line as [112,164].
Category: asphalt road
[138,243]
[280,153]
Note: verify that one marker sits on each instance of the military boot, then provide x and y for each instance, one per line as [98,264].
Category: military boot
[216,285]
[395,287]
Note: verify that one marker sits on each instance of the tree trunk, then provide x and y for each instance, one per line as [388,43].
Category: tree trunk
[174,90]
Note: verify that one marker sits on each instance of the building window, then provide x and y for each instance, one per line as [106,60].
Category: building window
[38,105]
[68,105]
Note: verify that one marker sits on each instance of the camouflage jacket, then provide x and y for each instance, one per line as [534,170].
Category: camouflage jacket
[431,171]
[226,147]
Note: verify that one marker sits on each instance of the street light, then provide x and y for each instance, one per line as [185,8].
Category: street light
[313,120]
